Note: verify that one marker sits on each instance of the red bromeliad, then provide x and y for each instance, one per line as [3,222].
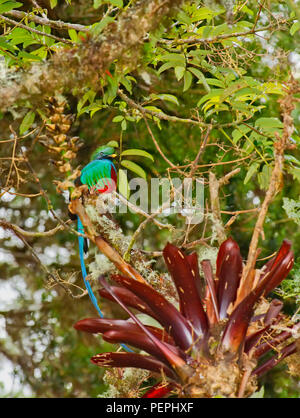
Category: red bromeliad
[214,344]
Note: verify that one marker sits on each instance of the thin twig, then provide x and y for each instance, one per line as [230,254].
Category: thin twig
[141,212]
[201,149]
[18,230]
[164,116]
[38,32]
[57,24]
[287,106]
[54,277]
[196,40]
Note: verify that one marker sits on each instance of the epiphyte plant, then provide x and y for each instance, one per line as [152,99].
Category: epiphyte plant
[216,343]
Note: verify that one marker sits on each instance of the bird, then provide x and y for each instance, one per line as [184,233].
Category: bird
[100,175]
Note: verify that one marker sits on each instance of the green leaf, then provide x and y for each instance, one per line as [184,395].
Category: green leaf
[177,59]
[130,165]
[123,185]
[9,5]
[41,53]
[187,80]
[184,18]
[207,31]
[220,29]
[272,88]
[205,13]
[53,3]
[291,159]
[111,91]
[200,77]
[137,152]
[239,132]
[88,96]
[117,3]
[179,72]
[98,27]
[127,83]
[233,88]
[264,177]
[252,170]
[118,118]
[113,144]
[73,35]
[259,394]
[215,93]
[165,97]
[250,12]
[27,56]
[124,125]
[269,123]
[97,3]
[153,109]
[165,67]
[27,122]
[295,172]
[294,28]
[215,82]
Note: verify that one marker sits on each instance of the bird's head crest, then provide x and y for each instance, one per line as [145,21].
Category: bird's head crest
[103,152]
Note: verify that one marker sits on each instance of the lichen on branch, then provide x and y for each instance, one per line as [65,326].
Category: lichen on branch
[79,66]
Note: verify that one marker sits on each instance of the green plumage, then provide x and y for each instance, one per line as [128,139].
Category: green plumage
[97,172]
[100,173]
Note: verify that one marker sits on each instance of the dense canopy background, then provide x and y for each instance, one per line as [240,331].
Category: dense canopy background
[206,88]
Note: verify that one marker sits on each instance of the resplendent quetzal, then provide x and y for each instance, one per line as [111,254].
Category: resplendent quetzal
[100,175]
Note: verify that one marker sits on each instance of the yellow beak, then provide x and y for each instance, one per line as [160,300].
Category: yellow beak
[113,155]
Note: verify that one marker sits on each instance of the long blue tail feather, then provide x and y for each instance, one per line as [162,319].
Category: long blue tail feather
[80,229]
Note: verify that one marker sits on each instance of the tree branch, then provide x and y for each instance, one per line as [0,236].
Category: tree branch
[287,106]
[38,32]
[57,24]
[86,63]
[214,39]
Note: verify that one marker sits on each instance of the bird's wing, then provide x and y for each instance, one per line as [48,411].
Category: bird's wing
[100,173]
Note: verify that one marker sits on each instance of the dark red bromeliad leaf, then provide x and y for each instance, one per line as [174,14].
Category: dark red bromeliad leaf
[169,317]
[229,271]
[211,284]
[140,341]
[253,339]
[172,358]
[101,325]
[192,259]
[236,328]
[184,278]
[279,271]
[282,252]
[159,390]
[273,311]
[274,360]
[129,298]
[238,322]
[265,347]
[132,360]
[120,331]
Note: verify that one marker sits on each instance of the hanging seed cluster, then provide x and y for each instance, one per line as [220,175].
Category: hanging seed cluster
[63,145]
